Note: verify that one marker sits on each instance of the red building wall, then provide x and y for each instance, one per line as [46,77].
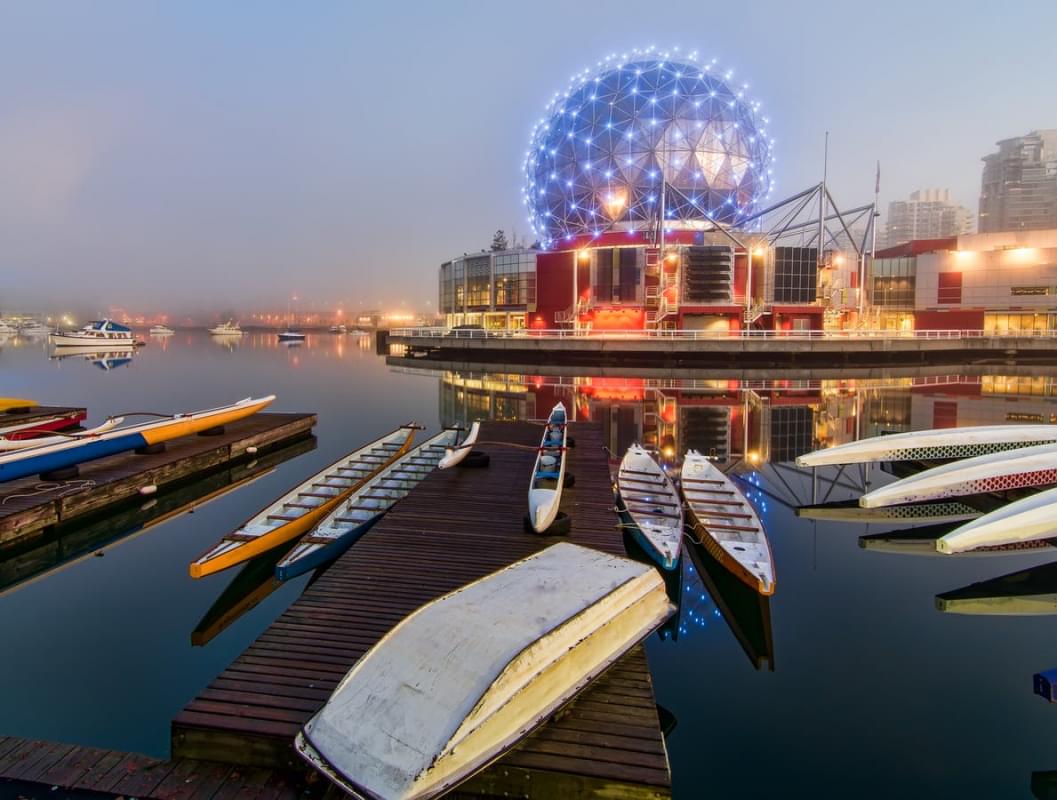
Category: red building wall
[949,320]
[554,287]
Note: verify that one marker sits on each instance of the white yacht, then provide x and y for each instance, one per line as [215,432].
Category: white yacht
[7,329]
[101,334]
[229,328]
[161,330]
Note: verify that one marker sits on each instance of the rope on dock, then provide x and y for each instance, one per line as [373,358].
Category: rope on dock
[63,487]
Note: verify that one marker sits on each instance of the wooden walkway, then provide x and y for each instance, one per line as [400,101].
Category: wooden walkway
[49,764]
[457,526]
[28,506]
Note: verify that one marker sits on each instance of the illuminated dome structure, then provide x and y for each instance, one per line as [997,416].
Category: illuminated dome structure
[644,132]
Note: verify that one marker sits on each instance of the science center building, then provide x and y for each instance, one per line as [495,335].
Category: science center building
[649,187]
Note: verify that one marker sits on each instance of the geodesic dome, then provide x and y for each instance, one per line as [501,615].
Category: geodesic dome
[598,160]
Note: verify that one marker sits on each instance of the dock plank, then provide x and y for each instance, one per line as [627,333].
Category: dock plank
[456,526]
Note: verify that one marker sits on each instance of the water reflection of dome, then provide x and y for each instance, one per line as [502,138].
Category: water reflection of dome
[599,158]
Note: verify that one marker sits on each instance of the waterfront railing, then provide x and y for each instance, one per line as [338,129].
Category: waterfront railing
[582,333]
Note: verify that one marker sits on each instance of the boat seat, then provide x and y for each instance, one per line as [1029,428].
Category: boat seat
[300,505]
[375,509]
[285,517]
[724,514]
[697,480]
[632,499]
[548,461]
[546,475]
[730,528]
[622,479]
[650,513]
[317,540]
[317,494]
[637,472]
[241,537]
[703,501]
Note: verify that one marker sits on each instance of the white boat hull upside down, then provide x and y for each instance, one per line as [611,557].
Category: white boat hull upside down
[941,443]
[996,472]
[1030,519]
[454,455]
[466,677]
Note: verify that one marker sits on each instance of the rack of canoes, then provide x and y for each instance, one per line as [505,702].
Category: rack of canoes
[984,460]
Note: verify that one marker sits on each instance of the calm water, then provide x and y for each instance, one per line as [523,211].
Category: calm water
[873,693]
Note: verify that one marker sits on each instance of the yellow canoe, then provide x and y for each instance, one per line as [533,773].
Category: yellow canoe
[8,403]
[302,508]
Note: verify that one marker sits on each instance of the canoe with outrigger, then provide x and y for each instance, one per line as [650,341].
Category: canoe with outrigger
[548,473]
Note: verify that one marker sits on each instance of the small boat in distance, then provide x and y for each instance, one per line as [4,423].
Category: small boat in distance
[1030,519]
[352,518]
[548,473]
[100,334]
[940,443]
[995,472]
[161,330]
[229,328]
[302,508]
[649,507]
[77,450]
[466,677]
[291,335]
[33,327]
[726,524]
[7,329]
[338,329]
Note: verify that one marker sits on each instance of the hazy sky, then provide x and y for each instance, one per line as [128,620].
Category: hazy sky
[184,154]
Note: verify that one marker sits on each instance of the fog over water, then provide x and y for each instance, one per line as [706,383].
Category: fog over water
[181,156]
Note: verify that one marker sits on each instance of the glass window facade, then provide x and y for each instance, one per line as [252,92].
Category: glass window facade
[795,274]
[479,281]
[894,282]
[515,279]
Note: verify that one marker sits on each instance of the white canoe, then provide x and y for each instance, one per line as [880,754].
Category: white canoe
[548,473]
[466,677]
[940,443]
[1029,519]
[649,506]
[353,517]
[1017,469]
[726,524]
[454,455]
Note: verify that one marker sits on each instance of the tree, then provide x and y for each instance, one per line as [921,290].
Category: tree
[499,241]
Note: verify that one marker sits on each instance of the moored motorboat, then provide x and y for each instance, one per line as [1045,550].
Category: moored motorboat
[304,506]
[940,443]
[454,455]
[337,329]
[726,524]
[229,328]
[355,515]
[466,677]
[76,450]
[649,506]
[548,473]
[1030,519]
[161,330]
[103,333]
[291,335]
[996,472]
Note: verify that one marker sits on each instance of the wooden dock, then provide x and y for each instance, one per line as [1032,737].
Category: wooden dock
[455,527]
[29,507]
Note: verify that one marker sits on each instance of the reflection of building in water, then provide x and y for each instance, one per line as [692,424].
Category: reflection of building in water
[717,418]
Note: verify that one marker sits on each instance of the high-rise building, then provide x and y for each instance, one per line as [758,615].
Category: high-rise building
[928,214]
[1019,187]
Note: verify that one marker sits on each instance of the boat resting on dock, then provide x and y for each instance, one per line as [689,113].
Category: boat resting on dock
[996,472]
[18,441]
[353,517]
[939,443]
[548,473]
[1030,519]
[453,456]
[466,677]
[649,507]
[9,405]
[72,451]
[726,524]
[302,508]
